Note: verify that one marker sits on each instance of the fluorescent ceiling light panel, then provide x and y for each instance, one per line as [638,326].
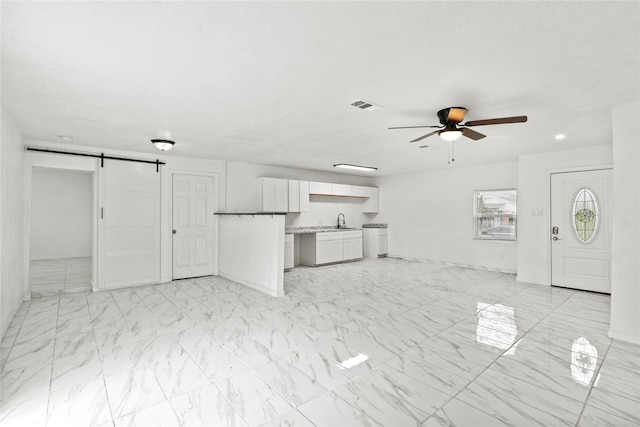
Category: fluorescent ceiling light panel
[355,167]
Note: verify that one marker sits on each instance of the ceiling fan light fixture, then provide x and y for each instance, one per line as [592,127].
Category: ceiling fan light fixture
[450,135]
[163,144]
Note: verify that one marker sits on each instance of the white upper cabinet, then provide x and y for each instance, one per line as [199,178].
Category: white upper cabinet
[340,190]
[304,196]
[290,195]
[320,188]
[294,195]
[359,191]
[298,196]
[371,205]
[275,195]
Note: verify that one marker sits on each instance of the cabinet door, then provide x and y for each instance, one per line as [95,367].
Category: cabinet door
[288,251]
[294,196]
[304,196]
[268,194]
[319,188]
[359,191]
[352,249]
[371,205]
[340,190]
[329,251]
[281,203]
[382,245]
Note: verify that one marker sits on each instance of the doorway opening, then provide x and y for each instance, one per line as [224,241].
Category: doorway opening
[61,231]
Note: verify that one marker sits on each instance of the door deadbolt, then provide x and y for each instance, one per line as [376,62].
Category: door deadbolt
[554,231]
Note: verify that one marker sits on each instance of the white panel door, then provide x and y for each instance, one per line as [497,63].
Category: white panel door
[581,230]
[193,226]
[129,224]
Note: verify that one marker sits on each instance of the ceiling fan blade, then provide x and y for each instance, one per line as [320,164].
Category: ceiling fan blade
[470,133]
[425,136]
[456,114]
[414,127]
[515,119]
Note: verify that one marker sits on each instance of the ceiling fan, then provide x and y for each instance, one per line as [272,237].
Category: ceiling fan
[450,128]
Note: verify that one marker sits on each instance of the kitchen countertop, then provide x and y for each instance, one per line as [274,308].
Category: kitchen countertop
[375,225]
[316,229]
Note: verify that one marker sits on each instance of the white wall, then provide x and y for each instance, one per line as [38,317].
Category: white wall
[174,163]
[12,221]
[534,180]
[61,219]
[244,195]
[429,215]
[625,268]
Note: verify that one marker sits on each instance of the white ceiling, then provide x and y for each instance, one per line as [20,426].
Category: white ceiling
[270,82]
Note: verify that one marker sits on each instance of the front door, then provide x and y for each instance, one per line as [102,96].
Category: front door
[581,230]
[193,226]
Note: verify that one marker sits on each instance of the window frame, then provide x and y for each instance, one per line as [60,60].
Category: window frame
[513,216]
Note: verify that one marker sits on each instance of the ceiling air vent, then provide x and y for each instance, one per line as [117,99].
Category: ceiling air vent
[365,105]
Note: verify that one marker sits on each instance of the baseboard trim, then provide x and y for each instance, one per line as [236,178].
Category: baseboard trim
[257,287]
[454,264]
[7,322]
[623,336]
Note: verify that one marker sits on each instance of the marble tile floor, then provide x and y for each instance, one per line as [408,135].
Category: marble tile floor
[383,342]
[50,277]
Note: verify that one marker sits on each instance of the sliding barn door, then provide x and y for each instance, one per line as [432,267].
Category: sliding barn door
[129,224]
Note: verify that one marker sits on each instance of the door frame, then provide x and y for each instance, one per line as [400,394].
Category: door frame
[554,171]
[216,204]
[62,163]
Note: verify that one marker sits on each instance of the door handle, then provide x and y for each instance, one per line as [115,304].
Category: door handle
[174,231]
[556,238]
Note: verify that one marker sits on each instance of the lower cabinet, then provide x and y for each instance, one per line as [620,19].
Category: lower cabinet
[288,252]
[375,242]
[352,245]
[328,251]
[330,247]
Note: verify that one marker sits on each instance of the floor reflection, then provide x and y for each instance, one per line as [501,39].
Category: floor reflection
[584,358]
[496,326]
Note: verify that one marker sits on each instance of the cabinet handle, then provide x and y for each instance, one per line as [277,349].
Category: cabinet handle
[101,213]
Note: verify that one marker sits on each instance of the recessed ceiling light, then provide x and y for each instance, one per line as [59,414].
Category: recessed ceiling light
[560,136]
[65,137]
[355,167]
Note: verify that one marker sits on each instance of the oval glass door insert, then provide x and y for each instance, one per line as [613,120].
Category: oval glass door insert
[585,215]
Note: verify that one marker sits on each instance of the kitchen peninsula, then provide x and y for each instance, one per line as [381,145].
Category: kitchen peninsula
[251,250]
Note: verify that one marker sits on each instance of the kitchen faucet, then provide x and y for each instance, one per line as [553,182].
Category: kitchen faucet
[343,221]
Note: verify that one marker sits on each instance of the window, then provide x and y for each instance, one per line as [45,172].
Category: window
[586,215]
[494,214]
